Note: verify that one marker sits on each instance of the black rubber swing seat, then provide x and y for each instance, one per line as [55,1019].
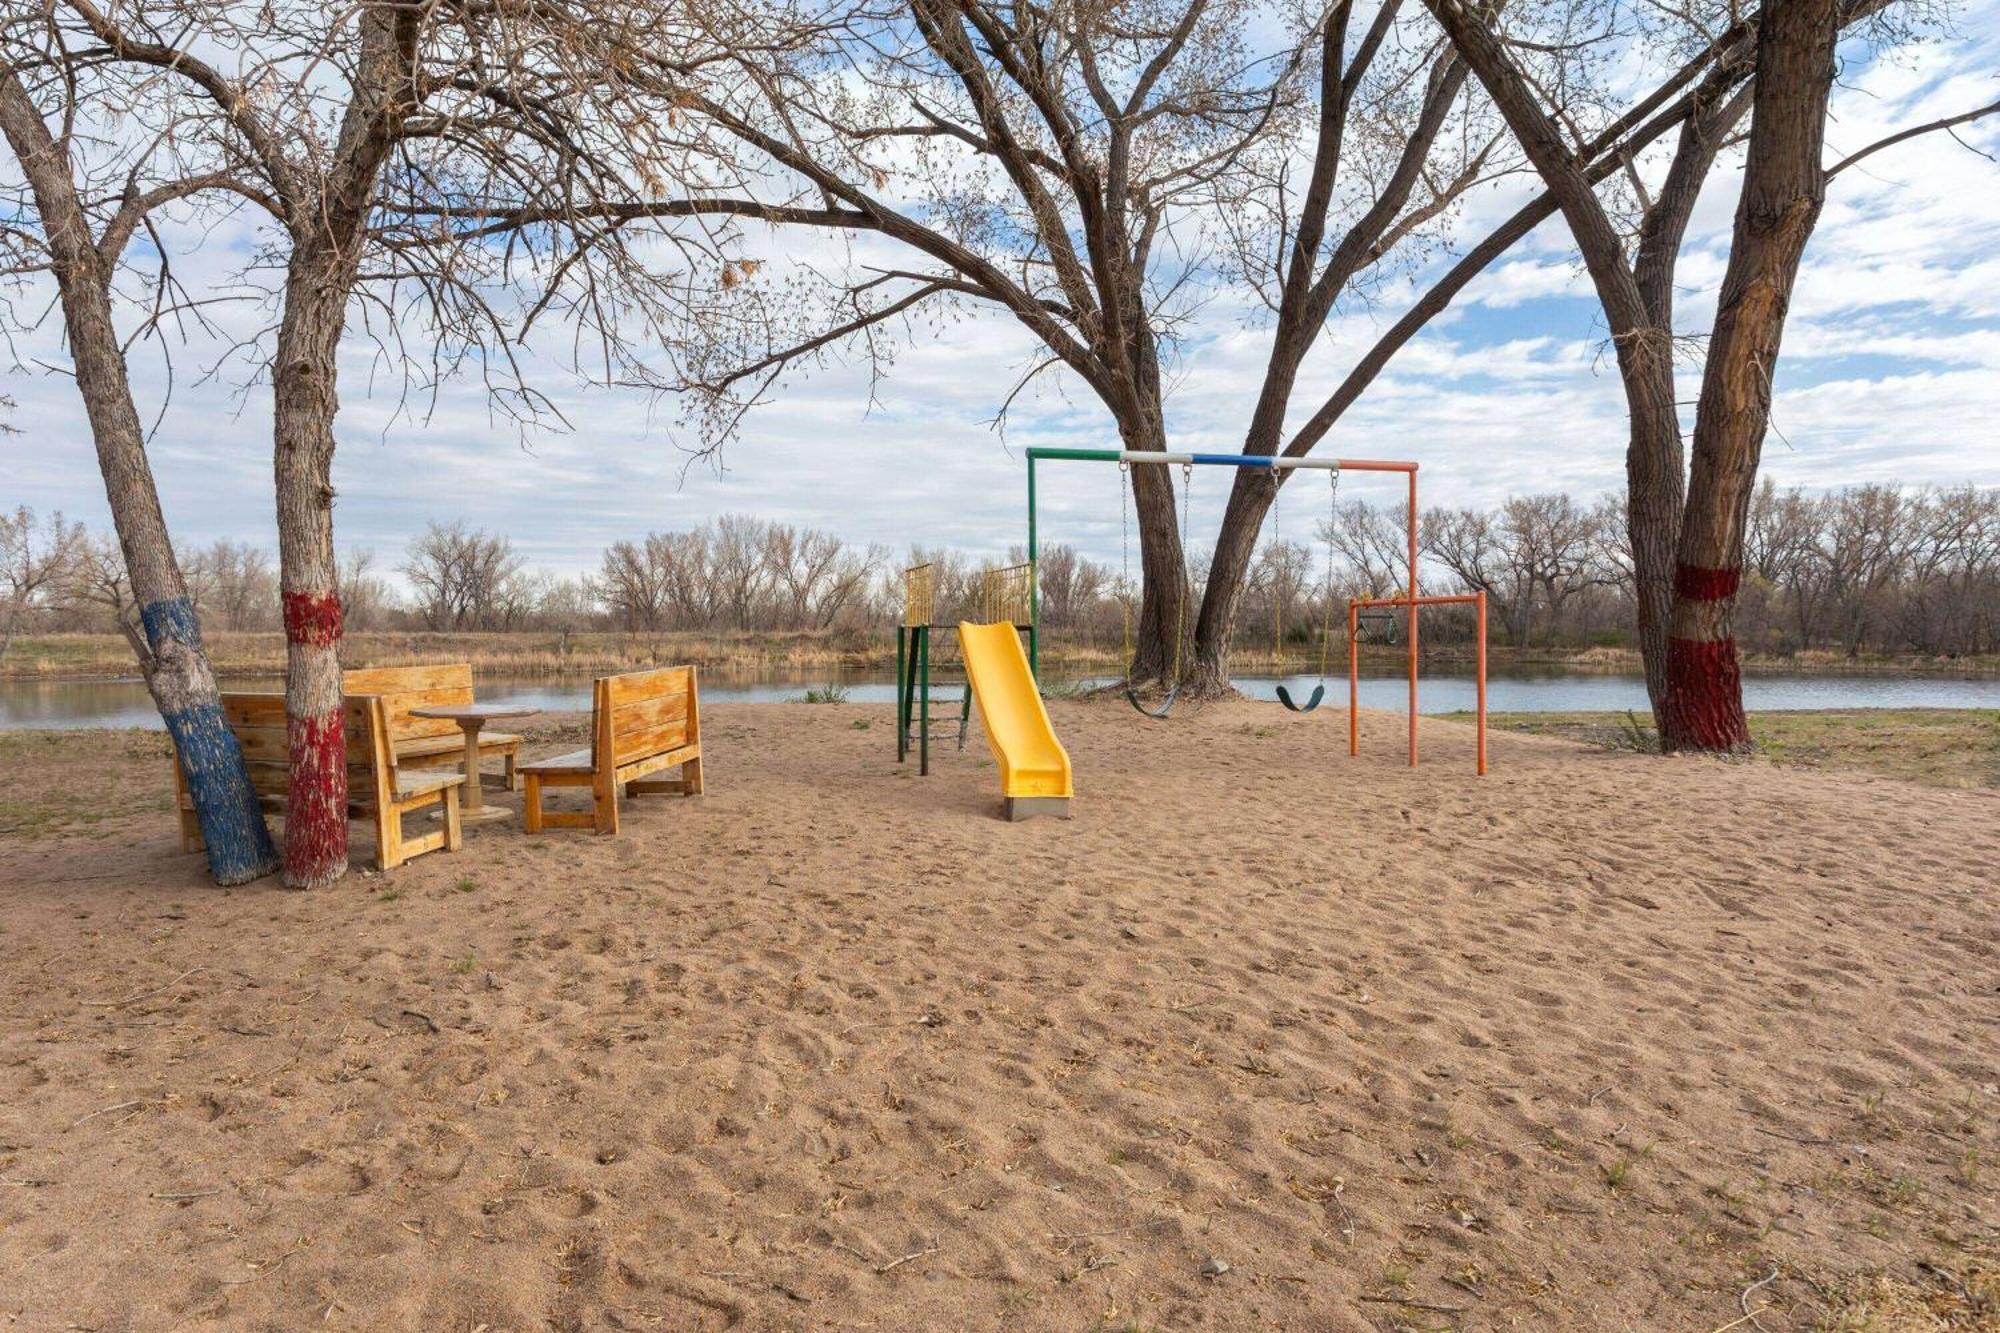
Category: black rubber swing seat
[1318,697]
[1166,704]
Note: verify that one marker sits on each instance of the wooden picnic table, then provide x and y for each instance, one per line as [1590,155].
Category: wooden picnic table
[470,718]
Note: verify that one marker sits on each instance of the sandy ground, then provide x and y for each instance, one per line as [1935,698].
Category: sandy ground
[1263,1038]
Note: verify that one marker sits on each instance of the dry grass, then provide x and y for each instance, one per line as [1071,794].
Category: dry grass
[525,653]
[66,793]
[1961,1295]
[1940,747]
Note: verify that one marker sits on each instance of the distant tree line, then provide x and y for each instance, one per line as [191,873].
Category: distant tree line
[1870,569]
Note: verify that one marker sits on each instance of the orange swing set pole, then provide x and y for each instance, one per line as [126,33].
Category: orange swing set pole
[1353,677]
[1413,617]
[1355,606]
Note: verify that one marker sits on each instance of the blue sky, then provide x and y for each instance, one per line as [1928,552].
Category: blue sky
[1891,374]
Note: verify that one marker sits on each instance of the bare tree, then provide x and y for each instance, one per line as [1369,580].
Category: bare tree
[84,215]
[631,585]
[332,124]
[362,595]
[1687,541]
[234,585]
[1070,586]
[36,558]
[99,577]
[464,578]
[817,574]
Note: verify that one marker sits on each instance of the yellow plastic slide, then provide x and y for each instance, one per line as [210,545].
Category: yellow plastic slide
[1034,768]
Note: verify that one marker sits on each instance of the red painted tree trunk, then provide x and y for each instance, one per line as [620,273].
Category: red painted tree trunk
[329,234]
[1784,185]
[305,404]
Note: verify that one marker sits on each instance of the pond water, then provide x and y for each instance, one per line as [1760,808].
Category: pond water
[38,705]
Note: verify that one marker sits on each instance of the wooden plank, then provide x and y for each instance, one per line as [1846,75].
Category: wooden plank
[653,763]
[645,684]
[254,710]
[627,718]
[650,741]
[401,703]
[577,761]
[398,680]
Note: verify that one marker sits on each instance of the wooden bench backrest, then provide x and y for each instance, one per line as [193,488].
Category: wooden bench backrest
[259,723]
[404,688]
[643,713]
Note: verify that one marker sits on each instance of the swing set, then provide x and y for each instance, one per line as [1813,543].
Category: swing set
[1358,608]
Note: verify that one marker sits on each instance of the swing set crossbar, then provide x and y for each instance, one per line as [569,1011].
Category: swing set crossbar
[1270,462]
[1278,463]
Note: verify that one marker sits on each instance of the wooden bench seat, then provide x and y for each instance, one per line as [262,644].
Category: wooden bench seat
[432,742]
[640,723]
[378,789]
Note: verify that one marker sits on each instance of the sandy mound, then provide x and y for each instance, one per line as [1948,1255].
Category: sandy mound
[1263,1038]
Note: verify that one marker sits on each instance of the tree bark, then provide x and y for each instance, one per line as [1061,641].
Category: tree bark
[1163,637]
[1784,186]
[304,404]
[1642,341]
[176,666]
[328,236]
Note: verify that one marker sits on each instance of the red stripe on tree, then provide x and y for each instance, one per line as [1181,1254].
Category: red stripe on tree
[316,806]
[1703,709]
[312,617]
[1706,585]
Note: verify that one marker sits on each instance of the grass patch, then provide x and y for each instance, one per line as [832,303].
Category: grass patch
[1960,1294]
[64,781]
[829,693]
[1940,747]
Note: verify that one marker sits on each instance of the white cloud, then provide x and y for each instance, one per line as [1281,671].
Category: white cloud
[1508,392]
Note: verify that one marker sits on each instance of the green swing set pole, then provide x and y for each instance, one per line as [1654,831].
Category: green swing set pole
[1034,544]
[1034,583]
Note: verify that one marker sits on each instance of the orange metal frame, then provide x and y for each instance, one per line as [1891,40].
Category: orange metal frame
[1356,605]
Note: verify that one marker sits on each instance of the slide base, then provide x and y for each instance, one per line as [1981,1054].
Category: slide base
[1027,807]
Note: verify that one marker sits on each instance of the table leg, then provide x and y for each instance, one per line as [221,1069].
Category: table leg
[472,800]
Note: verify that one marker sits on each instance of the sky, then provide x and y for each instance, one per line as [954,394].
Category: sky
[1890,373]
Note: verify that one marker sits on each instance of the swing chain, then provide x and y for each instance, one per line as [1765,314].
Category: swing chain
[1187,577]
[1125,558]
[1332,521]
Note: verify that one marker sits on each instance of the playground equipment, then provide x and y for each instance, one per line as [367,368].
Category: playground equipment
[1003,597]
[1410,602]
[1359,606]
[1034,767]
[1318,695]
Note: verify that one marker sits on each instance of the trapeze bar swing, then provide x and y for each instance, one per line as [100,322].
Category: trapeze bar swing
[1410,602]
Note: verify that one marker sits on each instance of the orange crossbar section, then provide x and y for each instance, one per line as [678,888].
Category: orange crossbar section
[1375,465]
[1356,605]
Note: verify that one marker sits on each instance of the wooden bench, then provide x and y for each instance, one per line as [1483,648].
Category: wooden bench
[377,789]
[431,742]
[640,723]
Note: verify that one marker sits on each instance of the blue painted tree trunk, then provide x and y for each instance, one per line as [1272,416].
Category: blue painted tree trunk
[232,824]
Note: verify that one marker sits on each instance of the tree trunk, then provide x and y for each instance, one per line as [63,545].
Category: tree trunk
[304,406]
[1250,500]
[1784,185]
[1161,657]
[1653,496]
[328,234]
[176,667]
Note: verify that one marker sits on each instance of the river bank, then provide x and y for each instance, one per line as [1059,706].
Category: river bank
[239,654]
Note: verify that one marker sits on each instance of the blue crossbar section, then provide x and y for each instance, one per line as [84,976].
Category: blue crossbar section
[1234,460]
